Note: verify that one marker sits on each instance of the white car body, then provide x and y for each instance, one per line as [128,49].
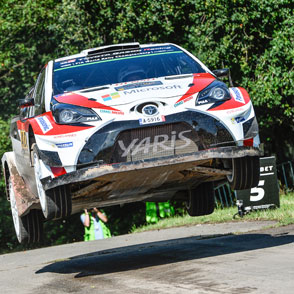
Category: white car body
[172,127]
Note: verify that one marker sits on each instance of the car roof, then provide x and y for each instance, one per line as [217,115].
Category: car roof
[111,49]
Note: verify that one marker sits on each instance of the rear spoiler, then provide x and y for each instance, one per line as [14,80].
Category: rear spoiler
[112,49]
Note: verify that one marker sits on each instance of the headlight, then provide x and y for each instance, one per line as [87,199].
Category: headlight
[216,91]
[71,114]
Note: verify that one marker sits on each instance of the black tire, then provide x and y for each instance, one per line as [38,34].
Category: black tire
[28,228]
[33,225]
[56,203]
[245,173]
[201,200]
[59,204]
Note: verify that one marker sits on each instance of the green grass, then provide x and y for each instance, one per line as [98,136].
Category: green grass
[283,215]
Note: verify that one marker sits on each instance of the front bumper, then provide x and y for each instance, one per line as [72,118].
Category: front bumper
[180,133]
[128,141]
[144,173]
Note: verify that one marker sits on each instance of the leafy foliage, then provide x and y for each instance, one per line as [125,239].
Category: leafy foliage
[7,235]
[254,40]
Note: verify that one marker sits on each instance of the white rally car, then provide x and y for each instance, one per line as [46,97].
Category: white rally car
[125,123]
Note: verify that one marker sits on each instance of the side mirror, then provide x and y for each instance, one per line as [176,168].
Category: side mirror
[25,102]
[221,72]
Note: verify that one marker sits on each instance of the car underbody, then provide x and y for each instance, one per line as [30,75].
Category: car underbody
[157,179]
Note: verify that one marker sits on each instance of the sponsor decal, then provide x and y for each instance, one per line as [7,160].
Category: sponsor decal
[160,143]
[71,60]
[68,61]
[266,170]
[44,124]
[138,85]
[239,109]
[134,91]
[107,57]
[237,120]
[111,111]
[65,136]
[202,102]
[93,118]
[237,95]
[151,120]
[179,103]
[64,145]
[183,101]
[110,96]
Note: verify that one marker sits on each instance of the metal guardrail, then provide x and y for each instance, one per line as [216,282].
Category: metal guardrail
[224,196]
[286,175]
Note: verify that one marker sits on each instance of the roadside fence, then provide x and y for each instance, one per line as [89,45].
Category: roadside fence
[286,175]
[224,196]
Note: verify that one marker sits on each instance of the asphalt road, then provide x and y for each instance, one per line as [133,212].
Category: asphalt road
[236,258]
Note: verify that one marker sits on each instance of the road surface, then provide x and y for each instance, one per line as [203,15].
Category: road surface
[239,257]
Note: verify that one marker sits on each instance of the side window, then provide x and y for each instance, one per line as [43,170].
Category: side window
[39,94]
[25,112]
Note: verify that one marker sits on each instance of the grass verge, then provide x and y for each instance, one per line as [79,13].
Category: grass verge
[283,215]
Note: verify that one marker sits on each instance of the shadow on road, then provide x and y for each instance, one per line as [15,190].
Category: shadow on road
[163,252]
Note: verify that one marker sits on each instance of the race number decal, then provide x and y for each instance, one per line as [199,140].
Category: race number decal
[23,139]
[257,193]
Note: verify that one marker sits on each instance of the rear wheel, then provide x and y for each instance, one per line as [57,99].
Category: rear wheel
[55,203]
[245,173]
[201,200]
[28,228]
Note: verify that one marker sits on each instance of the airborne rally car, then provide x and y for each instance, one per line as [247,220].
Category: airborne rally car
[125,123]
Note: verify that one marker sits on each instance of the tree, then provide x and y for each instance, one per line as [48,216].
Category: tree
[254,39]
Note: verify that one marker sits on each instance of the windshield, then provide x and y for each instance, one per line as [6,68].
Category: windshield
[109,68]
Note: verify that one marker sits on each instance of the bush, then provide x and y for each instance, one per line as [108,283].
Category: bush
[254,40]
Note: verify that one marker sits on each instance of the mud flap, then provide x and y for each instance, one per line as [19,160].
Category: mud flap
[25,200]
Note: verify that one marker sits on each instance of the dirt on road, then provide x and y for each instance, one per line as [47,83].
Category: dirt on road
[238,257]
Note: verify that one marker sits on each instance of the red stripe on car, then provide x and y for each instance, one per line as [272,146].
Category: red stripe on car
[20,125]
[234,102]
[200,81]
[56,129]
[79,100]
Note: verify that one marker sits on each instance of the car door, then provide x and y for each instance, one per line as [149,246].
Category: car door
[20,125]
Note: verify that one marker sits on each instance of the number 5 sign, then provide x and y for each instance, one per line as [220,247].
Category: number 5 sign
[266,194]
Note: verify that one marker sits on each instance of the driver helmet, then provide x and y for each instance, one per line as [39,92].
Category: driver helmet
[131,73]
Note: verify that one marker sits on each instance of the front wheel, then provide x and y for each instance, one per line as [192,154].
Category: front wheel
[201,200]
[28,228]
[245,173]
[55,203]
